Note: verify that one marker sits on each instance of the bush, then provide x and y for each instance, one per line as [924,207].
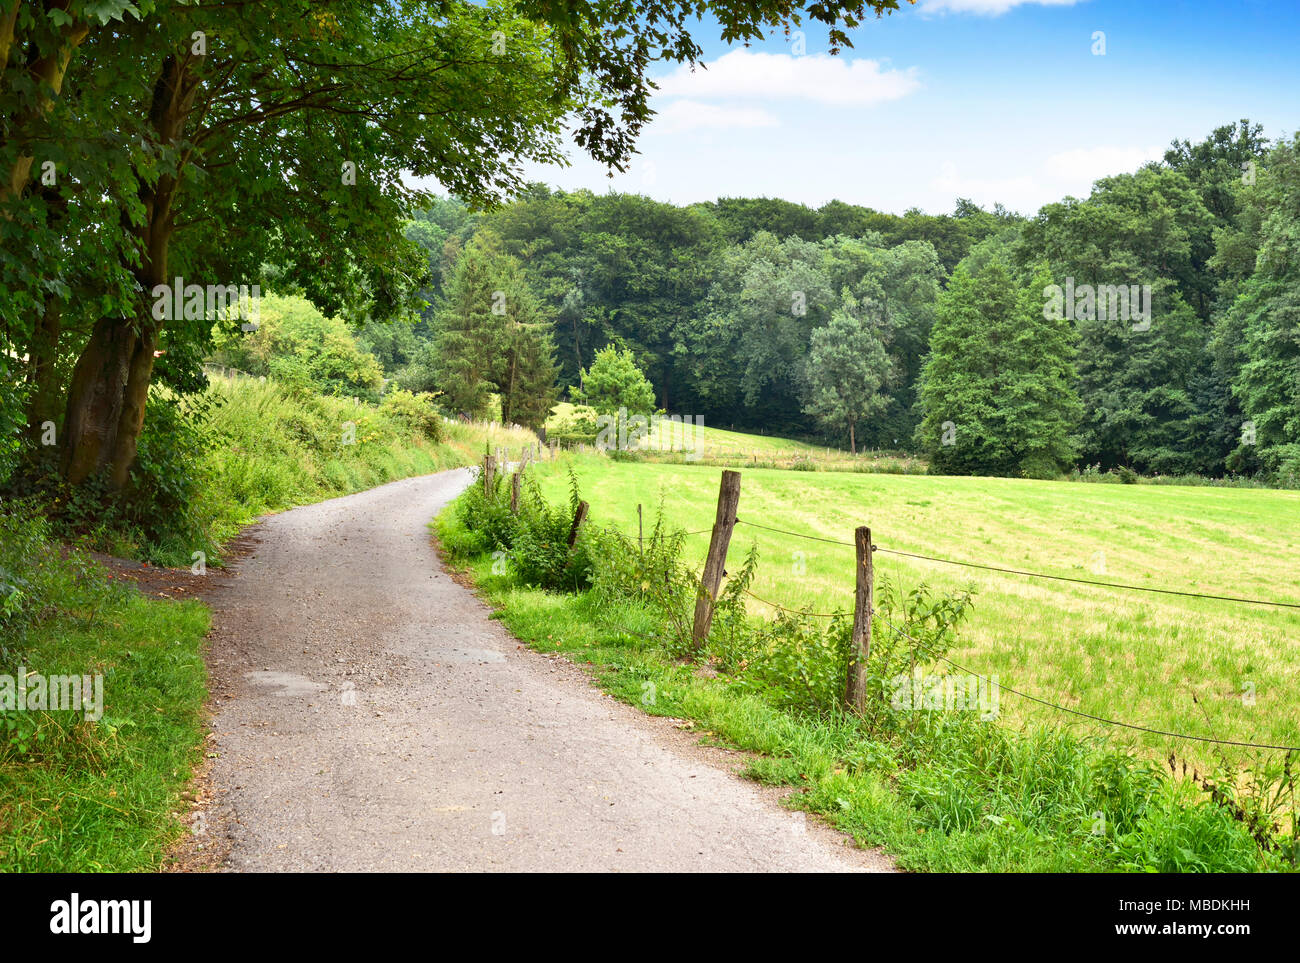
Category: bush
[416,411]
[299,346]
[649,573]
[540,554]
[536,537]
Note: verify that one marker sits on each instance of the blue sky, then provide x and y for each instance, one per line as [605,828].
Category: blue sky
[997,100]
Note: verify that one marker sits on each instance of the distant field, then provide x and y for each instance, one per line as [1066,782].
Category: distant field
[707,445]
[1134,656]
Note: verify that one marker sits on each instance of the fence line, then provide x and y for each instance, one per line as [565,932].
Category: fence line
[864,611]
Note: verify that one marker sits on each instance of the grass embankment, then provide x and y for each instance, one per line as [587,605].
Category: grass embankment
[108,794]
[79,795]
[945,791]
[271,449]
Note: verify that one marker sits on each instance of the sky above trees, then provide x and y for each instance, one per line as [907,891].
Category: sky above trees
[995,100]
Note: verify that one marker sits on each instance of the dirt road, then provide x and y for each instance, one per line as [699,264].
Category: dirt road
[371,717]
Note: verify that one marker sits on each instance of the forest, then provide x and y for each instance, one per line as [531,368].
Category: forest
[875,330]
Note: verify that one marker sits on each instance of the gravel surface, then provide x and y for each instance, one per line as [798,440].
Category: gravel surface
[369,716]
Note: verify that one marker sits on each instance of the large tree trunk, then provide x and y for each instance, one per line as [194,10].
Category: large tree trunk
[95,399]
[110,385]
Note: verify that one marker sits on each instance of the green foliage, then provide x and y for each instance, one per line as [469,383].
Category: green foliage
[1258,333]
[998,388]
[1179,833]
[416,410]
[540,553]
[300,347]
[615,381]
[534,541]
[649,572]
[847,371]
[493,337]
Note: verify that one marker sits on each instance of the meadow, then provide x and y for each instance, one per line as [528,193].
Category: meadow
[1223,670]
[702,444]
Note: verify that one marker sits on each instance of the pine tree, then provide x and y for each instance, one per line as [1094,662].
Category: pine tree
[998,391]
[470,339]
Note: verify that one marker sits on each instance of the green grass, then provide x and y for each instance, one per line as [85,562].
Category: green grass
[79,795]
[274,450]
[709,446]
[964,797]
[1155,660]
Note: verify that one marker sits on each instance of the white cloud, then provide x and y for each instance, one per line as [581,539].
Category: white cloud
[820,78]
[1069,172]
[683,115]
[1017,192]
[988,8]
[1086,164]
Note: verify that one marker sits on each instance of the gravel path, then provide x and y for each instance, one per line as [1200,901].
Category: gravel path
[370,716]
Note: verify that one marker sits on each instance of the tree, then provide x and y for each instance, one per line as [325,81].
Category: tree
[471,338]
[296,343]
[285,129]
[847,370]
[998,389]
[615,381]
[1151,398]
[1259,330]
[899,287]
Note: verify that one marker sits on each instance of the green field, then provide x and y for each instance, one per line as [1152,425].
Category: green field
[1166,662]
[706,445]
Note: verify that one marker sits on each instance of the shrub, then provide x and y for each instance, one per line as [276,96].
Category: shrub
[540,554]
[416,411]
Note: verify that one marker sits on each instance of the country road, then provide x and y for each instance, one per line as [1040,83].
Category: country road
[371,717]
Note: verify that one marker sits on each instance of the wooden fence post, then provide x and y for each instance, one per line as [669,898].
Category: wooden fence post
[579,517]
[489,470]
[711,580]
[514,492]
[855,692]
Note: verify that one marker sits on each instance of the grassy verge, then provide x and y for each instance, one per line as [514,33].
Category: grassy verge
[78,794]
[940,791]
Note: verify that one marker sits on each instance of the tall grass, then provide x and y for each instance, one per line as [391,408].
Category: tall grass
[272,448]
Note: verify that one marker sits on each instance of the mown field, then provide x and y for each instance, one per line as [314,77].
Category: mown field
[708,445]
[1198,666]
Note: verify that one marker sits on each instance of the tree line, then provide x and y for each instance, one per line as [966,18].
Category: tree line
[1177,352]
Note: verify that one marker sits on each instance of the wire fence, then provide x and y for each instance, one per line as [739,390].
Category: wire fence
[1028,574]
[1056,706]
